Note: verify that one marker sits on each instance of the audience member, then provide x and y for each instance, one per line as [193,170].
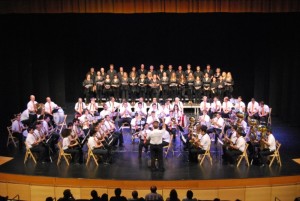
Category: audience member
[104,197]
[95,196]
[49,199]
[67,196]
[189,196]
[173,196]
[135,196]
[118,196]
[153,195]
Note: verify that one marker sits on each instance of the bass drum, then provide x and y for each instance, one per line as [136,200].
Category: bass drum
[58,117]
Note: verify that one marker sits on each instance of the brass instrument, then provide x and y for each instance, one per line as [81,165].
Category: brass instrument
[191,125]
[39,108]
[263,130]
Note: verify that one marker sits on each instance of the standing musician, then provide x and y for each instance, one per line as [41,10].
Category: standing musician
[156,149]
[88,84]
[173,85]
[133,82]
[70,145]
[112,107]
[252,109]
[34,144]
[198,89]
[32,109]
[206,85]
[217,73]
[155,86]
[263,112]
[151,70]
[148,90]
[107,89]
[17,128]
[93,107]
[239,105]
[178,115]
[235,150]
[201,143]
[79,108]
[204,105]
[115,85]
[270,143]
[215,106]
[143,139]
[99,81]
[226,107]
[125,86]
[190,84]
[143,82]
[216,126]
[164,85]
[178,103]
[102,72]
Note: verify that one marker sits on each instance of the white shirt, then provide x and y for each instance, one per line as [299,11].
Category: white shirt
[45,127]
[17,126]
[125,112]
[92,107]
[220,122]
[109,125]
[31,139]
[204,120]
[251,106]
[166,136]
[144,133]
[164,112]
[204,141]
[25,115]
[233,137]
[155,109]
[141,111]
[112,106]
[266,109]
[91,142]
[47,107]
[180,105]
[135,122]
[128,106]
[66,142]
[272,142]
[240,143]
[84,118]
[155,136]
[150,120]
[136,106]
[215,106]
[78,105]
[226,106]
[240,106]
[30,106]
[103,113]
[204,106]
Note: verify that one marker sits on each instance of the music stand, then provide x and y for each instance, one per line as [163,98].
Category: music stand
[181,131]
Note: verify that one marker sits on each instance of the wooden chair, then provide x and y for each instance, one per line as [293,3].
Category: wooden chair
[201,157]
[243,155]
[269,118]
[62,154]
[28,154]
[276,155]
[91,154]
[169,147]
[62,125]
[10,138]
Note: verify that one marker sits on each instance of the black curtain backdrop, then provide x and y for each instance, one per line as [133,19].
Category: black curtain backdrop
[48,55]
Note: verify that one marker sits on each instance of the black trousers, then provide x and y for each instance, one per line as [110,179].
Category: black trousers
[143,91]
[232,154]
[193,153]
[42,152]
[32,119]
[141,145]
[106,154]
[198,95]
[156,153]
[20,139]
[75,152]
[263,155]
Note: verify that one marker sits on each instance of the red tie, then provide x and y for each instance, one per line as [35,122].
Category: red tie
[80,107]
[263,111]
[50,108]
[252,107]
[204,105]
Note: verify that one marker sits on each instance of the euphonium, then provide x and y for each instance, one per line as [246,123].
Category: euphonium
[263,130]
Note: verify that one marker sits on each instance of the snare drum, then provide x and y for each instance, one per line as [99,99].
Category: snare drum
[58,117]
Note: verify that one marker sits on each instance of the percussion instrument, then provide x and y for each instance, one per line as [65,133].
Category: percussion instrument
[59,116]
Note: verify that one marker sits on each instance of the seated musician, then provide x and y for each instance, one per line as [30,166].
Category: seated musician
[270,143]
[93,107]
[105,111]
[86,117]
[41,134]
[215,106]
[136,123]
[49,132]
[144,105]
[97,147]
[50,107]
[113,106]
[154,108]
[172,124]
[178,103]
[125,113]
[110,129]
[76,128]
[204,105]
[229,138]
[226,107]
[252,109]
[239,105]
[216,126]
[143,139]
[34,143]
[200,144]
[141,111]
[70,145]
[164,111]
[154,101]
[204,119]
[235,150]
[79,108]
[263,112]
[151,119]
[17,128]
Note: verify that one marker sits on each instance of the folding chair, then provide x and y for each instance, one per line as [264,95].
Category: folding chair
[201,157]
[169,147]
[243,155]
[276,155]
[28,154]
[269,118]
[91,154]
[60,126]
[62,154]
[10,138]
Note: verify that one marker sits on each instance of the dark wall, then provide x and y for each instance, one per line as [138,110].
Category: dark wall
[48,55]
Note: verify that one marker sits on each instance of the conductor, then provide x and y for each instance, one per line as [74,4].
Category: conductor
[156,149]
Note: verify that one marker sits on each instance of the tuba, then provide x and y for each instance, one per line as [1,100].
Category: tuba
[263,130]
[40,108]
[191,125]
[253,129]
